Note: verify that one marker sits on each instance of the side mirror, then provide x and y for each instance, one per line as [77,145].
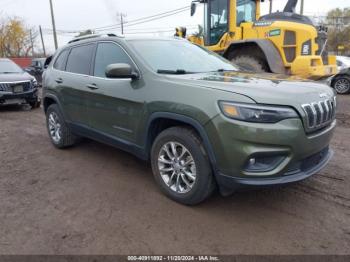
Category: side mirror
[120,71]
[193,8]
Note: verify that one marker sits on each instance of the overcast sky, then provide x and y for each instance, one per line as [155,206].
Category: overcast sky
[73,15]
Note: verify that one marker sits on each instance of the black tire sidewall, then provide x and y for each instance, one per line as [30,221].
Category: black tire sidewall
[203,169]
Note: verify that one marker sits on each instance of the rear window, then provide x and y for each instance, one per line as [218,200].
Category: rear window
[60,63]
[79,59]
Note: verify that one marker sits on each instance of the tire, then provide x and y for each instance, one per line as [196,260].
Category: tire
[341,84]
[65,137]
[35,105]
[203,183]
[250,63]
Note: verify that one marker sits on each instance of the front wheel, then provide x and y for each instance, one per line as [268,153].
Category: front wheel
[250,63]
[181,166]
[342,85]
[60,134]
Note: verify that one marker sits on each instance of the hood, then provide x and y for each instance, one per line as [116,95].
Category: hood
[263,88]
[16,77]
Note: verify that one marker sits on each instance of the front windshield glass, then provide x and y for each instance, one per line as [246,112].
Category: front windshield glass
[9,67]
[246,11]
[178,55]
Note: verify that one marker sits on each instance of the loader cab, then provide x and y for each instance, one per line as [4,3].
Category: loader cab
[222,16]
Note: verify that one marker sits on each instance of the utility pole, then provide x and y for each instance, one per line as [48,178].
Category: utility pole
[122,21]
[302,7]
[270,10]
[42,40]
[53,25]
[31,41]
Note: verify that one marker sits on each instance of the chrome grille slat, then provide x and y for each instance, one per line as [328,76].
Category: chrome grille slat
[319,114]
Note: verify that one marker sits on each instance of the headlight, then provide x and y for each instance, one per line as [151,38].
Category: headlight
[256,113]
[34,82]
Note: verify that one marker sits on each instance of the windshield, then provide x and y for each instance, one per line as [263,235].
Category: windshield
[180,56]
[9,67]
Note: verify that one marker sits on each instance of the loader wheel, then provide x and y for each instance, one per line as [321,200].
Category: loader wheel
[250,63]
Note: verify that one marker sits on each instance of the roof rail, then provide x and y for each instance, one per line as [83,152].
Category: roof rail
[80,38]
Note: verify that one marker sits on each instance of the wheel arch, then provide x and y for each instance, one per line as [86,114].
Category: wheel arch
[162,120]
[267,49]
[50,99]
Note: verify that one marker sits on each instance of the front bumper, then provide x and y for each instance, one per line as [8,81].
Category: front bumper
[312,166]
[7,98]
[234,143]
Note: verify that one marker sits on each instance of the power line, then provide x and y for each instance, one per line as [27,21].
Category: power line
[142,22]
[132,22]
[144,18]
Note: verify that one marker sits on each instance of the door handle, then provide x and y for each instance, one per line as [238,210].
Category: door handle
[59,80]
[92,86]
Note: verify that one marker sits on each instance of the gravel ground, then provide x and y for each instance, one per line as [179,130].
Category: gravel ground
[94,199]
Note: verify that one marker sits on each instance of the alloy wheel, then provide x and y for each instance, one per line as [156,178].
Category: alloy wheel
[342,86]
[55,127]
[177,167]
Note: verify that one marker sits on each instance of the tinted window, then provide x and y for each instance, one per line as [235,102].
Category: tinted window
[246,11]
[60,63]
[79,59]
[106,54]
[218,20]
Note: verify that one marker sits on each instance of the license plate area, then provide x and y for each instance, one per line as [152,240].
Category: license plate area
[18,89]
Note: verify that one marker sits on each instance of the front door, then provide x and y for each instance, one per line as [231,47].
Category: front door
[216,21]
[114,105]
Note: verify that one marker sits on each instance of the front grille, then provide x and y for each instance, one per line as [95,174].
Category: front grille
[319,114]
[8,87]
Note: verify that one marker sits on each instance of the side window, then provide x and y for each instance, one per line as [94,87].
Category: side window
[79,59]
[106,54]
[60,63]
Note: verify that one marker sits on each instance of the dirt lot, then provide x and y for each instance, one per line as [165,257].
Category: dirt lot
[94,199]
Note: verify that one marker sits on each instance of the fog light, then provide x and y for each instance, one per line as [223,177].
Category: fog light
[263,163]
[252,161]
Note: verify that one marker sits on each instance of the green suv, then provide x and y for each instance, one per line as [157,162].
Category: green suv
[201,122]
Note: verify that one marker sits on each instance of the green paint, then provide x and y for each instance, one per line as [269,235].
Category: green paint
[275,32]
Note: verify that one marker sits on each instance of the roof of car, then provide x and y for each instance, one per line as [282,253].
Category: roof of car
[5,59]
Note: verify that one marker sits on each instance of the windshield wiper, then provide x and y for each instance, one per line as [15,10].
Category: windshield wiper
[174,72]
[225,70]
[8,72]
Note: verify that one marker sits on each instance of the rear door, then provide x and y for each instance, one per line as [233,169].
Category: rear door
[74,83]
[115,106]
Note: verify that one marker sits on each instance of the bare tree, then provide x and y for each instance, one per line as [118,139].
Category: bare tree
[16,39]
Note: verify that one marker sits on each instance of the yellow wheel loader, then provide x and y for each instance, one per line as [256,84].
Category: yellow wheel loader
[281,42]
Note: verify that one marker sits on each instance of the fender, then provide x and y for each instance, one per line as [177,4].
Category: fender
[271,53]
[57,101]
[187,120]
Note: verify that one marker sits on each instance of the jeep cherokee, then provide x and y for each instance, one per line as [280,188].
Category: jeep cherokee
[200,121]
